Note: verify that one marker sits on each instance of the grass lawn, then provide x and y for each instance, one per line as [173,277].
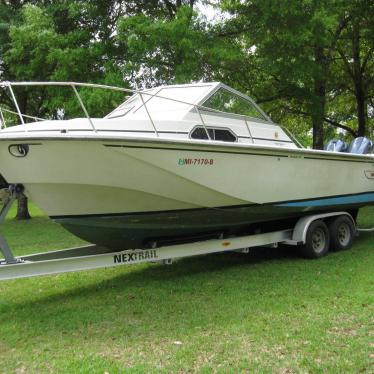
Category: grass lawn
[266,312]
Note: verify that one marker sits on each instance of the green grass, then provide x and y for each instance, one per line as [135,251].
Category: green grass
[266,312]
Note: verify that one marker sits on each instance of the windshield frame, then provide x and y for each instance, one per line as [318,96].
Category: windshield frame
[265,119]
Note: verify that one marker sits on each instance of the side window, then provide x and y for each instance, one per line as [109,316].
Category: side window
[200,133]
[121,112]
[224,135]
[214,133]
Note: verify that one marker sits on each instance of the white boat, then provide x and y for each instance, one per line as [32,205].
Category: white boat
[177,163]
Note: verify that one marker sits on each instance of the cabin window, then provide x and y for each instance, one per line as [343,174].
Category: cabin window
[125,107]
[223,135]
[229,102]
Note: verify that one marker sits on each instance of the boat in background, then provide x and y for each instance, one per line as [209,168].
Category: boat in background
[177,164]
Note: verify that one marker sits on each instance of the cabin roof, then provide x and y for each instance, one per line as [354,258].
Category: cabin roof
[180,99]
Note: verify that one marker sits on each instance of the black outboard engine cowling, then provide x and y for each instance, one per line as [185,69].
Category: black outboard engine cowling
[361,146]
[336,145]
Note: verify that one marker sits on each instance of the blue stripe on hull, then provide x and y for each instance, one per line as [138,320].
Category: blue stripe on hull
[342,200]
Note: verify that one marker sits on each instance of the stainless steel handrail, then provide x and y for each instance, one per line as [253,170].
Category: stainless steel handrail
[2,109]
[113,88]
[83,107]
[249,130]
[73,85]
[3,123]
[17,107]
[7,84]
[149,115]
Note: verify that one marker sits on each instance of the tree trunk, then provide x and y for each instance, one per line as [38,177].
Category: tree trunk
[22,208]
[317,121]
[319,102]
[358,81]
[361,112]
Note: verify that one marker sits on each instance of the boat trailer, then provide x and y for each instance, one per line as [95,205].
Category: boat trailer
[94,257]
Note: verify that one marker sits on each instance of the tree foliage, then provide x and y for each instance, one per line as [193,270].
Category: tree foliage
[299,47]
[308,63]
[61,41]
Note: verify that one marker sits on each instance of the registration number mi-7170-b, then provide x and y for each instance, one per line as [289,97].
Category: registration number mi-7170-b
[196,161]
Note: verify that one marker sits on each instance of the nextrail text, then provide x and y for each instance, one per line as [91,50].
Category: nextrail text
[135,256]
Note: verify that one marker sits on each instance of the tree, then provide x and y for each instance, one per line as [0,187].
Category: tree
[308,63]
[22,208]
[162,49]
[57,41]
[173,44]
[355,59]
[43,49]
[295,47]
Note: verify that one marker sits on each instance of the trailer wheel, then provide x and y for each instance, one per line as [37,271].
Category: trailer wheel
[317,240]
[341,233]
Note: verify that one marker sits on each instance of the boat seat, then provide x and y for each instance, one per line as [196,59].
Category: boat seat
[361,145]
[336,145]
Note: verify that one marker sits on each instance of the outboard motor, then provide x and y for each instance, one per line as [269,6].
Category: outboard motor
[336,145]
[361,146]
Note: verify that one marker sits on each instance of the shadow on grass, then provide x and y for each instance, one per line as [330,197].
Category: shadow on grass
[188,269]
[193,291]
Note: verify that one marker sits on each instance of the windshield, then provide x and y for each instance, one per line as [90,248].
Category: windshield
[124,108]
[174,99]
[229,102]
[166,99]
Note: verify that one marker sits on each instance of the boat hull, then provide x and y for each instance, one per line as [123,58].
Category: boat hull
[127,194]
[144,230]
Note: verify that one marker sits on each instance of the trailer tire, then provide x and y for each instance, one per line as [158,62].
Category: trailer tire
[341,233]
[317,241]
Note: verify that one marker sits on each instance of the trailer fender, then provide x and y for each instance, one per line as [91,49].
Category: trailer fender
[302,226]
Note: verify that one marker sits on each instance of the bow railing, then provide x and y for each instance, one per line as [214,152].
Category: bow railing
[73,85]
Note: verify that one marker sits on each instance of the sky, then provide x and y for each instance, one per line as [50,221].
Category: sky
[212,14]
